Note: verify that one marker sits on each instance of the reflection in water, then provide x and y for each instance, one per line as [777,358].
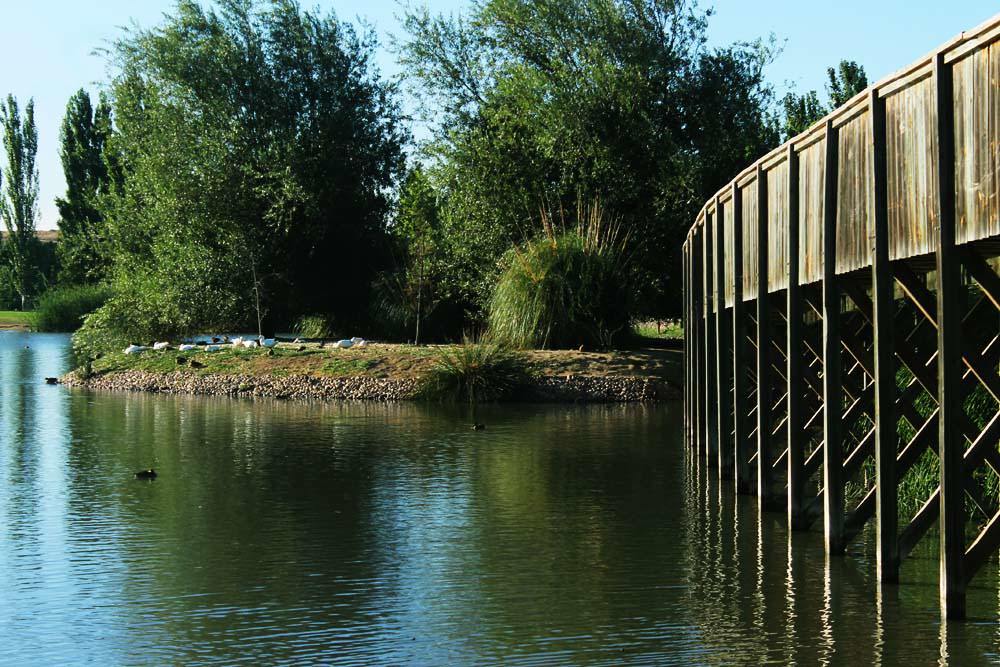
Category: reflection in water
[362,533]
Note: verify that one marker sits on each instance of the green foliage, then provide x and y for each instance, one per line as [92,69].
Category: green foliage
[565,289]
[474,372]
[63,308]
[313,326]
[801,112]
[107,329]
[19,197]
[562,100]
[846,81]
[255,145]
[408,295]
[82,244]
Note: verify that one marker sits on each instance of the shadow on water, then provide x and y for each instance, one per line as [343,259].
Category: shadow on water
[370,533]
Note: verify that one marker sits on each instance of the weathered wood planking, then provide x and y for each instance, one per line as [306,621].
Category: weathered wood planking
[812,174]
[730,254]
[908,170]
[777,225]
[748,194]
[977,144]
[855,195]
[911,143]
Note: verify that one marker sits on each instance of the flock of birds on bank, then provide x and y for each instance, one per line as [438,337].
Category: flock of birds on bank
[217,344]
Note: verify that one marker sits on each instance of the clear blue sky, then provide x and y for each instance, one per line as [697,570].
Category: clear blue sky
[46,45]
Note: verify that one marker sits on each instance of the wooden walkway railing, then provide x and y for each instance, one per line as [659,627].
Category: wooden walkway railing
[842,316]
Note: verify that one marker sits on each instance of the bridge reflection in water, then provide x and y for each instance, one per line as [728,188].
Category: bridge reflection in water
[765,594]
[842,319]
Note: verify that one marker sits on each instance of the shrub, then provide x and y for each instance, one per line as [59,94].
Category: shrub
[475,371]
[565,289]
[63,308]
[104,330]
[313,326]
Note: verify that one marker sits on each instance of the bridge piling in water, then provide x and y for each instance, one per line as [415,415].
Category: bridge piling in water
[842,318]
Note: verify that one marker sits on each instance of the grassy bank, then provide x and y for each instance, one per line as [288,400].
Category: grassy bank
[16,320]
[665,330]
[389,361]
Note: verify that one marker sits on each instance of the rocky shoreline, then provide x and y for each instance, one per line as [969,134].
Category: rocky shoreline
[554,389]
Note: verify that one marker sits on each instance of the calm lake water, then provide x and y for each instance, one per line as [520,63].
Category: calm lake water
[283,532]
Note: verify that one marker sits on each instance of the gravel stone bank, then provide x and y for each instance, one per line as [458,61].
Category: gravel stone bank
[567,389]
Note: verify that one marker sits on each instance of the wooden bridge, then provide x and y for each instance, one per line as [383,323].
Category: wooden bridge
[842,317]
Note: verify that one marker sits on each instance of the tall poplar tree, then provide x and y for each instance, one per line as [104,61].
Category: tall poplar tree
[83,137]
[19,200]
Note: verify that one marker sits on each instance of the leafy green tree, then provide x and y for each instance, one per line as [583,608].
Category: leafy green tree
[539,104]
[19,199]
[846,81]
[801,112]
[254,153]
[418,226]
[84,135]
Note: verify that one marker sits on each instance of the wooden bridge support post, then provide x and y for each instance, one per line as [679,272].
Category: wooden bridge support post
[723,333]
[741,393]
[711,441]
[765,474]
[686,327]
[698,308]
[795,385]
[886,491]
[833,455]
[951,444]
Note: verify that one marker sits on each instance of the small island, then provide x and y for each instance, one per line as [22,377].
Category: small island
[385,372]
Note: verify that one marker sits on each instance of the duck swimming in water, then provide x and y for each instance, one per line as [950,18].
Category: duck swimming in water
[146,474]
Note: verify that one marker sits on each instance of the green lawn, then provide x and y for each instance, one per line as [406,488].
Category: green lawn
[15,319]
[669,330]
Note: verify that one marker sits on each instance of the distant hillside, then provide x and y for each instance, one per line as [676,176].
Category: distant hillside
[44,235]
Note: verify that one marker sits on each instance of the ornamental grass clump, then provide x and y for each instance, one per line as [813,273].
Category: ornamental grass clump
[567,288]
[313,326]
[475,372]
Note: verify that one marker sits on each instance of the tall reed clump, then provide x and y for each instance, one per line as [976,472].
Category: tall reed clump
[475,372]
[566,288]
[313,326]
[63,308]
